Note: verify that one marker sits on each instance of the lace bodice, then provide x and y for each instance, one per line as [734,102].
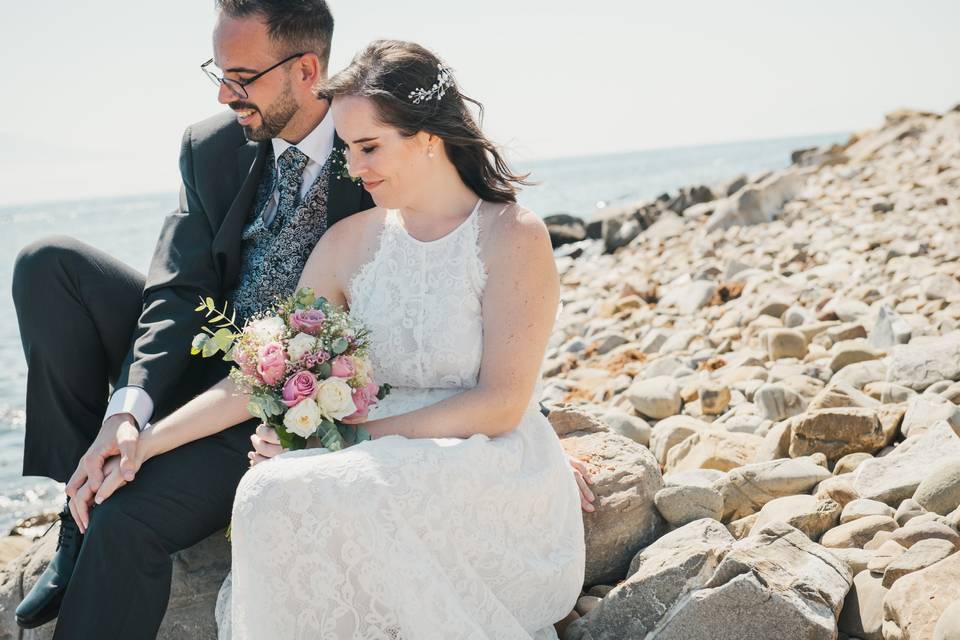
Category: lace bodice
[421,302]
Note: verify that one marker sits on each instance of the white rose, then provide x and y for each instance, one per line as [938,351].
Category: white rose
[266,329]
[303,419]
[300,345]
[335,398]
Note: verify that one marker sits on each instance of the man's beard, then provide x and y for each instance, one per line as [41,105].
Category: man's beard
[274,119]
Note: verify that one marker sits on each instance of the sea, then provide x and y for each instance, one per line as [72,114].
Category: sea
[127,227]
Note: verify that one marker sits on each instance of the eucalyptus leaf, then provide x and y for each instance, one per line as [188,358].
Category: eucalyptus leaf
[210,348]
[340,345]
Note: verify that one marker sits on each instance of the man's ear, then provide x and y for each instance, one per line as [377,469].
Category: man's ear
[309,69]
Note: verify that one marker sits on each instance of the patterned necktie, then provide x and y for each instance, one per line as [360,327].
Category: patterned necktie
[290,167]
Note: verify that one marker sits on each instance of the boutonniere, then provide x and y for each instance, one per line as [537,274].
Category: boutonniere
[341,166]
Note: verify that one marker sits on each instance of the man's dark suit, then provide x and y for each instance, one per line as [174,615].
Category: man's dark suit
[87,320]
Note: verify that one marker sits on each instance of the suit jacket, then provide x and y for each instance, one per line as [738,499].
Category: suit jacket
[198,254]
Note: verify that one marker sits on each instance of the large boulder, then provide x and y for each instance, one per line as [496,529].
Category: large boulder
[626,477]
[895,477]
[916,601]
[661,576]
[198,573]
[773,584]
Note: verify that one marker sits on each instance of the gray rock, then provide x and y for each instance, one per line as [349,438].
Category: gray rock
[925,410]
[688,298]
[837,432]
[850,462]
[889,330]
[756,203]
[860,374]
[656,398]
[939,492]
[625,479]
[661,577]
[746,489]
[862,615]
[672,431]
[948,625]
[920,556]
[791,587]
[629,426]
[693,478]
[927,359]
[776,402]
[895,477]
[864,507]
[857,533]
[808,514]
[908,510]
[915,602]
[784,343]
[198,573]
[684,504]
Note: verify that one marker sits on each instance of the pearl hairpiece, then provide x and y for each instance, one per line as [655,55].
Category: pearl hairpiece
[439,88]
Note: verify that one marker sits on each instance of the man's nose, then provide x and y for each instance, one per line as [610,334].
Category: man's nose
[226,95]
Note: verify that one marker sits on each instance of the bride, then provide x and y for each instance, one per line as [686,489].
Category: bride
[460,519]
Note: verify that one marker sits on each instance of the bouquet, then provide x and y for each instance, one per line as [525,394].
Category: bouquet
[304,363]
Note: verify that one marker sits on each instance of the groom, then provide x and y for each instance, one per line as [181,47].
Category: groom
[260,185]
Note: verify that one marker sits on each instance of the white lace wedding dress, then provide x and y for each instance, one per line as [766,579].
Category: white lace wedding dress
[411,539]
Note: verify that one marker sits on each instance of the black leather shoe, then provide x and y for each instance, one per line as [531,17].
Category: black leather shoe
[42,604]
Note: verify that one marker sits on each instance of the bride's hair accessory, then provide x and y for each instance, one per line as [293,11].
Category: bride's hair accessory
[439,88]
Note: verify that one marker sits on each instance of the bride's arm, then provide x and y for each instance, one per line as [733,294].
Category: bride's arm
[220,407]
[519,308]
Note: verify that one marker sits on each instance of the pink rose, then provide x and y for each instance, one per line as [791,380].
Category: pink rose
[310,321]
[271,363]
[364,398]
[299,386]
[342,367]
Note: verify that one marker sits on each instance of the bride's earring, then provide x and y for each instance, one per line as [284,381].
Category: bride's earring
[429,152]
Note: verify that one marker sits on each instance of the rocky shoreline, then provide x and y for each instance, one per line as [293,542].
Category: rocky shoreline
[764,376]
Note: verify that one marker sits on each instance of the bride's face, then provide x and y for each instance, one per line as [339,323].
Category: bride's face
[394,168]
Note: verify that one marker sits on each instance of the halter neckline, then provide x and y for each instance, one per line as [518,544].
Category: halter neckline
[395,215]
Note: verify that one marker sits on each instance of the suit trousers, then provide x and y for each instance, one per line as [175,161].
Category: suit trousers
[77,309]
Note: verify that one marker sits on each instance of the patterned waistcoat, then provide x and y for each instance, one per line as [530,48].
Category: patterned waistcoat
[273,256]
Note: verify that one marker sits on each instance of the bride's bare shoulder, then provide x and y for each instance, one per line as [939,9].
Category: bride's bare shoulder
[515,226]
[356,226]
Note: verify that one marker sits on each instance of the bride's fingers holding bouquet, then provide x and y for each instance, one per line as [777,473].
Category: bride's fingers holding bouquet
[266,445]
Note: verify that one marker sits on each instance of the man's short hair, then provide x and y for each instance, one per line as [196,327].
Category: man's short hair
[296,26]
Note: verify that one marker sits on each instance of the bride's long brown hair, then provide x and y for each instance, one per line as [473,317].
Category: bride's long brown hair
[386,73]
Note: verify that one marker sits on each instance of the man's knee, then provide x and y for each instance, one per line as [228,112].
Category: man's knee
[38,261]
[115,520]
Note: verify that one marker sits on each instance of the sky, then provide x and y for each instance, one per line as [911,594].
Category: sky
[96,94]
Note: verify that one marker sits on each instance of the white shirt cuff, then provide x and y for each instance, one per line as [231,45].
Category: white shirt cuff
[132,400]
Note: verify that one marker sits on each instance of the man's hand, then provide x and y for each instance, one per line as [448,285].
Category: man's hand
[266,444]
[118,436]
[81,503]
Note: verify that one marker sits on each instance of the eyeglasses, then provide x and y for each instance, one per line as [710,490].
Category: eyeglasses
[239,86]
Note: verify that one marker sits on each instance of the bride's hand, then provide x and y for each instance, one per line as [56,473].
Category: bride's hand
[266,445]
[582,473]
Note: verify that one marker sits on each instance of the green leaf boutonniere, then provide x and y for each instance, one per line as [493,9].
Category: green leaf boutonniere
[341,166]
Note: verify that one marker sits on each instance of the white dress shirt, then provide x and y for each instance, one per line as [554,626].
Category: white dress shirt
[317,146]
